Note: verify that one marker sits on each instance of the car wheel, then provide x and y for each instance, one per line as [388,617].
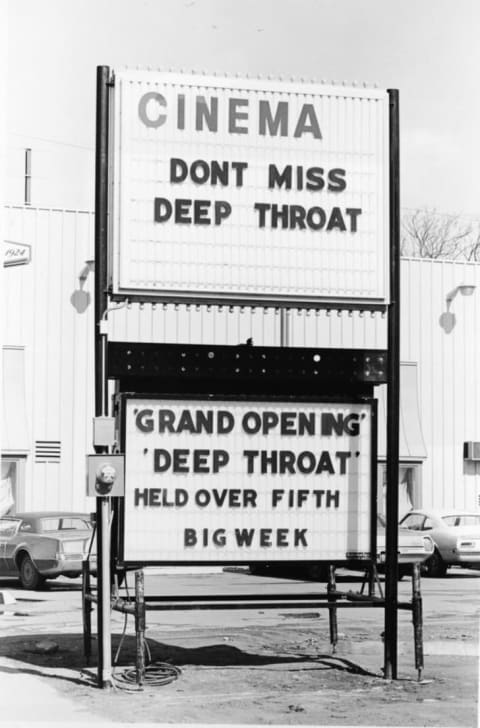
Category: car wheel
[30,577]
[258,569]
[120,576]
[435,566]
[404,570]
[317,572]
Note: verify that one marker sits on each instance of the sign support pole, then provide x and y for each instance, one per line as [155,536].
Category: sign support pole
[393,399]
[101,380]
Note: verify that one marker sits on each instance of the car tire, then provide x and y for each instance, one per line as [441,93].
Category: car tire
[258,569]
[120,576]
[435,566]
[30,577]
[404,570]
[317,572]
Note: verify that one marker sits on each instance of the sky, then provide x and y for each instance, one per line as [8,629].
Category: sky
[427,50]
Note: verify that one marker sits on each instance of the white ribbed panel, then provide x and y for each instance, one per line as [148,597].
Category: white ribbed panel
[195,324]
[238,258]
[58,341]
[446,344]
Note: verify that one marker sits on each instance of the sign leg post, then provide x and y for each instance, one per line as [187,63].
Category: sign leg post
[417,618]
[332,609]
[393,401]
[106,636]
[140,626]
[101,382]
[86,612]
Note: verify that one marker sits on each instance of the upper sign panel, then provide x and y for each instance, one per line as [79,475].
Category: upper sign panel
[235,189]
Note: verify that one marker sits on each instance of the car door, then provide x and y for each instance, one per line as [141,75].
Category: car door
[8,532]
[2,548]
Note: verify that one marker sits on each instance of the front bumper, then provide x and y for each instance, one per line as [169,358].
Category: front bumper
[468,559]
[406,557]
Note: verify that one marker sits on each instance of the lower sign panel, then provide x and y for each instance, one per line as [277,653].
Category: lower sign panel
[226,481]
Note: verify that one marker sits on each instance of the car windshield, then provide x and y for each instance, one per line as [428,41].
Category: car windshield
[462,520]
[8,527]
[63,523]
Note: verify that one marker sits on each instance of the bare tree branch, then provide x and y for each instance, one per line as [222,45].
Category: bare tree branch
[472,250]
[428,234]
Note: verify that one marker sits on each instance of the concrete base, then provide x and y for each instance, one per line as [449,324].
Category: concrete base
[6,597]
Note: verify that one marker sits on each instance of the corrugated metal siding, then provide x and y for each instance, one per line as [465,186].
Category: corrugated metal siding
[449,366]
[332,329]
[195,324]
[232,325]
[58,342]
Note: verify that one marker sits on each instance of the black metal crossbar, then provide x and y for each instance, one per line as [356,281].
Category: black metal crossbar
[234,597]
[198,368]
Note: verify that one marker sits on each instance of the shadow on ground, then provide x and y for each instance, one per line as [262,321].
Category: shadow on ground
[51,585]
[69,654]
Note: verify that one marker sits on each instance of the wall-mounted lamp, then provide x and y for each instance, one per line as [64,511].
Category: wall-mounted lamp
[80,299]
[448,318]
[464,289]
[87,268]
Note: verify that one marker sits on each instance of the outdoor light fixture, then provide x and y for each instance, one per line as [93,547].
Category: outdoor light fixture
[465,290]
[89,266]
[105,475]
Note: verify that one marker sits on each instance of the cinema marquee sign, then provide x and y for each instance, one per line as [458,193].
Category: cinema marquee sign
[230,481]
[253,190]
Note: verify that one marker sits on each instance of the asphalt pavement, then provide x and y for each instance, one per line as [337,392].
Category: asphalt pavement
[29,684]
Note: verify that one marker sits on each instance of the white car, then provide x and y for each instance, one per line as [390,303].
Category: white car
[44,545]
[456,535]
[412,548]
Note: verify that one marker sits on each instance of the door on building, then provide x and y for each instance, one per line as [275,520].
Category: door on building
[12,486]
[409,487]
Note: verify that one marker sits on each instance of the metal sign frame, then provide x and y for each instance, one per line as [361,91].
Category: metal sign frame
[103,293]
[145,247]
[229,398]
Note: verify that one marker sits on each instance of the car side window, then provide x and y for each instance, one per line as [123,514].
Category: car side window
[26,526]
[414,521]
[50,524]
[450,520]
[427,525]
[469,520]
[73,524]
[7,529]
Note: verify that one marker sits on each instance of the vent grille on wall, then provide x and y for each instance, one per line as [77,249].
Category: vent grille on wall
[48,451]
[471,451]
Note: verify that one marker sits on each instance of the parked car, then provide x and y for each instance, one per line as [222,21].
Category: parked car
[412,548]
[44,545]
[456,535]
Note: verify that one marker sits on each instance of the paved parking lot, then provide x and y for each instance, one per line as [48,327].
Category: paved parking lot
[260,666]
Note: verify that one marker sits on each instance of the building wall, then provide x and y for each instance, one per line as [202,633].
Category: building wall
[445,340]
[58,338]
[49,311]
